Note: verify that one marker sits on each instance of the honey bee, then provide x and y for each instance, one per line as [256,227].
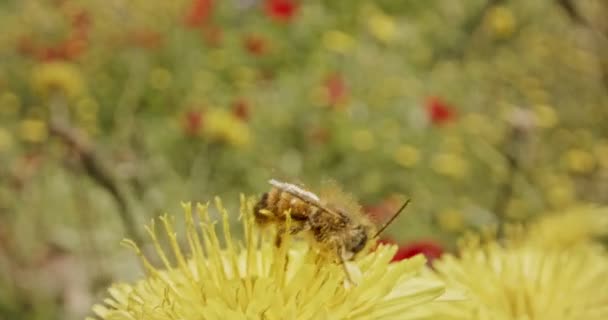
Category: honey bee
[335,223]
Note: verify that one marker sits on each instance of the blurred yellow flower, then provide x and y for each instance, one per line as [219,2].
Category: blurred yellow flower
[579,161]
[363,140]
[546,117]
[382,26]
[501,22]
[6,140]
[256,280]
[338,41]
[221,125]
[160,78]
[58,78]
[569,228]
[559,190]
[450,165]
[33,130]
[561,195]
[451,220]
[525,281]
[406,155]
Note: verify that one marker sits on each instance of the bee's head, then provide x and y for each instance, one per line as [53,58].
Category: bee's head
[356,241]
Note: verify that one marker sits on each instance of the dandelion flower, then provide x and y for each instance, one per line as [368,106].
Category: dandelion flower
[58,77]
[522,280]
[573,227]
[222,126]
[257,280]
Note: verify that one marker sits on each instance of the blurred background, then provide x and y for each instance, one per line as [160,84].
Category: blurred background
[114,111]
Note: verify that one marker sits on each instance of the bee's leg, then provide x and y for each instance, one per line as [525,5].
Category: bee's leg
[292,230]
[278,240]
[298,228]
[343,263]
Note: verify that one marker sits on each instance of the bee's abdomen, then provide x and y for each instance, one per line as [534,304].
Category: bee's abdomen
[274,205]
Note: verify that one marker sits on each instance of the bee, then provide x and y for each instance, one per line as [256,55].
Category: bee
[335,223]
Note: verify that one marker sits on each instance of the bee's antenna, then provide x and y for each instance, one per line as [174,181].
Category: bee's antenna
[388,223]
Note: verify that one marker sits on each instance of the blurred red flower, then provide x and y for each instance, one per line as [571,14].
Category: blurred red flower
[255,45]
[198,13]
[431,249]
[336,89]
[193,123]
[281,10]
[71,47]
[241,109]
[439,111]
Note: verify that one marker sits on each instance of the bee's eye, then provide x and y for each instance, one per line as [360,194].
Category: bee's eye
[359,242]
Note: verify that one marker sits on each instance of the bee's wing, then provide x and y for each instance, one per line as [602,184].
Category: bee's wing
[303,195]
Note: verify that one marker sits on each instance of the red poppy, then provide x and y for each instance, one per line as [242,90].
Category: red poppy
[198,13]
[193,123]
[281,10]
[336,89]
[241,109]
[73,47]
[431,249]
[439,111]
[256,45]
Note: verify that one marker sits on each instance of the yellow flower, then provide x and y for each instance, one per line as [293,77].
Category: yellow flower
[221,125]
[33,130]
[407,156]
[501,22]
[575,226]
[338,41]
[451,220]
[451,165]
[579,161]
[382,26]
[524,281]
[545,116]
[559,190]
[58,77]
[363,140]
[256,280]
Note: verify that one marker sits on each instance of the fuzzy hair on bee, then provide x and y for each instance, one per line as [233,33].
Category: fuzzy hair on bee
[334,221]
